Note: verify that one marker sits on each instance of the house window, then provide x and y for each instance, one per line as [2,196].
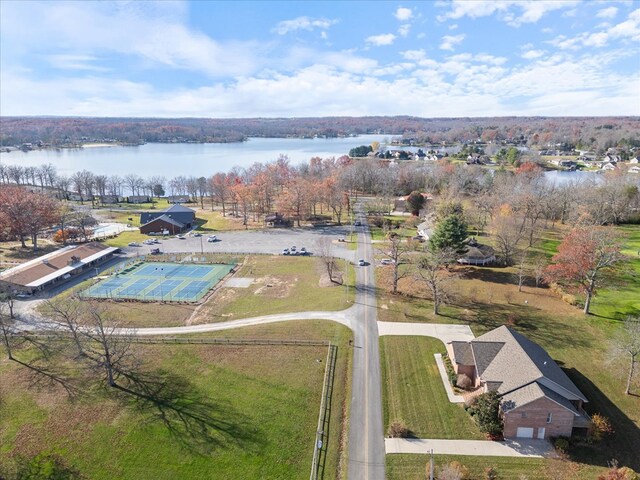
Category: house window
[549,416]
[524,414]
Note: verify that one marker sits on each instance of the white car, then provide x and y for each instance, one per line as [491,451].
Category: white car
[361,262]
[386,261]
[197,234]
[212,238]
[181,237]
[134,244]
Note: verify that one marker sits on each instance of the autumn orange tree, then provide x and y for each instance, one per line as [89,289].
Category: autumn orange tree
[582,258]
[27,213]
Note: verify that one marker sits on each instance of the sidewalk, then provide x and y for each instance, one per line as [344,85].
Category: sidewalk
[453,398]
[508,448]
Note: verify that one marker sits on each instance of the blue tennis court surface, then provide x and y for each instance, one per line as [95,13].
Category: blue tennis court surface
[161,281]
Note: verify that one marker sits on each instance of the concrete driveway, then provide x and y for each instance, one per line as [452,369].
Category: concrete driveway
[487,448]
[444,332]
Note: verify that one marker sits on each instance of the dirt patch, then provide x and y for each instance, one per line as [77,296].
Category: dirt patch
[325,282]
[276,287]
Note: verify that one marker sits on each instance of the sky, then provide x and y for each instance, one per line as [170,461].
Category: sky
[239,59]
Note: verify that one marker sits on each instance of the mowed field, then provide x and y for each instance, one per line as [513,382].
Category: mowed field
[193,411]
[485,298]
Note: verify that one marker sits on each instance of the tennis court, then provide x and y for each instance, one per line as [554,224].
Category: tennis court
[161,281]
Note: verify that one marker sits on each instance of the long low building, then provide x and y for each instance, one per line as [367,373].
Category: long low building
[55,267]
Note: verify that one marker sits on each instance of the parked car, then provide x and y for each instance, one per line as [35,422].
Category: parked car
[357,223]
[148,242]
[197,234]
[155,251]
[418,238]
[134,244]
[361,262]
[293,249]
[386,261]
[212,238]
[341,239]
[285,251]
[181,237]
[303,251]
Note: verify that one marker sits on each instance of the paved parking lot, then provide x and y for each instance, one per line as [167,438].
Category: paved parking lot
[271,241]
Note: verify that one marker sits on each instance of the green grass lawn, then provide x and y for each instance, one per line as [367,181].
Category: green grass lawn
[413,391]
[281,284]
[413,467]
[222,412]
[485,298]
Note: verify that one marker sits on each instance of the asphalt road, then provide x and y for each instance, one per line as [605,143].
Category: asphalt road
[366,436]
[269,241]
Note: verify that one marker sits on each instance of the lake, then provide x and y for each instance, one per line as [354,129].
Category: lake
[204,159]
[197,159]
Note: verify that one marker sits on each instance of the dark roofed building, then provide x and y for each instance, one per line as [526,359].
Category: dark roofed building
[55,268]
[162,224]
[477,254]
[175,219]
[538,400]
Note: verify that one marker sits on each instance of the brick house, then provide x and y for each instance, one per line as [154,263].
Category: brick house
[538,400]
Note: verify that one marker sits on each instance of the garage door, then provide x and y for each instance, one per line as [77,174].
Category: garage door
[524,432]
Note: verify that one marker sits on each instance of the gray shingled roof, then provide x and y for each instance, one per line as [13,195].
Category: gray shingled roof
[516,361]
[462,353]
[484,353]
[167,219]
[532,392]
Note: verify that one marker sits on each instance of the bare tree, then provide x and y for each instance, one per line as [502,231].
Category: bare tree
[7,332]
[67,314]
[433,273]
[397,250]
[626,344]
[323,251]
[107,346]
[537,270]
[523,268]
[507,234]
[7,300]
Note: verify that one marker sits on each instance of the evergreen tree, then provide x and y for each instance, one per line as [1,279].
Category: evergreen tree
[450,233]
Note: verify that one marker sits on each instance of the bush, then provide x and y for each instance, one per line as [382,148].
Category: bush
[486,413]
[398,429]
[453,471]
[464,382]
[570,299]
[618,473]
[600,427]
[491,473]
[561,444]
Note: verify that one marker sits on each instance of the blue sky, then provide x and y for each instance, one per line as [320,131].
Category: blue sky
[287,59]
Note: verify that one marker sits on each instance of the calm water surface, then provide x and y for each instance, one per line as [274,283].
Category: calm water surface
[204,159]
[197,159]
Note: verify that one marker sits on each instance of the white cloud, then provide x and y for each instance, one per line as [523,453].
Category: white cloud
[450,41]
[403,14]
[461,85]
[303,23]
[403,30]
[609,12]
[413,55]
[421,35]
[627,30]
[532,54]
[453,26]
[154,33]
[529,11]
[75,62]
[380,40]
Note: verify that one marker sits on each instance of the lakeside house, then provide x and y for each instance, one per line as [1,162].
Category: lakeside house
[139,199]
[538,400]
[178,198]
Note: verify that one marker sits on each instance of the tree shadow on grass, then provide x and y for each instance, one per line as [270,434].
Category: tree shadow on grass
[199,423]
[623,445]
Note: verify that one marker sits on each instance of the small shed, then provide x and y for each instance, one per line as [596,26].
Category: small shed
[161,224]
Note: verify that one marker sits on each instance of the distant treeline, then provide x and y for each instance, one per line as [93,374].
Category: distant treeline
[579,132]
